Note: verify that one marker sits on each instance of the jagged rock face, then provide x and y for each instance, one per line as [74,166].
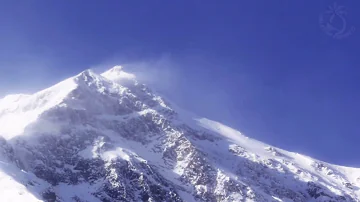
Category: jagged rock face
[109,142]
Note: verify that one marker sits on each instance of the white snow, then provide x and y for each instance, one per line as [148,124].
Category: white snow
[12,188]
[233,136]
[17,112]
[119,152]
[117,74]
[299,161]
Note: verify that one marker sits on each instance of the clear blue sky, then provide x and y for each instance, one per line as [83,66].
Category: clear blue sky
[264,67]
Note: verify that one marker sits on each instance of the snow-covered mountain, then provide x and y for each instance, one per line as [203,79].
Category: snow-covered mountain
[110,138]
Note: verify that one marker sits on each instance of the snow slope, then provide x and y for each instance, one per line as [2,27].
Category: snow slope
[110,138]
[16,184]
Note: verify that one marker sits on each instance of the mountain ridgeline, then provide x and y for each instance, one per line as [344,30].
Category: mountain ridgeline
[109,138]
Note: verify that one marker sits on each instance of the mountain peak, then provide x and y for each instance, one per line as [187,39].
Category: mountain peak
[117,74]
[86,74]
[89,138]
[117,68]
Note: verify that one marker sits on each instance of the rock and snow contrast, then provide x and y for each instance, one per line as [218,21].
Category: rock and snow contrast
[107,137]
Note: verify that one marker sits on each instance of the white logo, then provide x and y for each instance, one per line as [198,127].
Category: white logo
[334,24]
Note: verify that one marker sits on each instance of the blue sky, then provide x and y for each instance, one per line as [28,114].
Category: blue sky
[264,67]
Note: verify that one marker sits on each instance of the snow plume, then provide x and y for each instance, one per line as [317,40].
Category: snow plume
[177,77]
[161,73]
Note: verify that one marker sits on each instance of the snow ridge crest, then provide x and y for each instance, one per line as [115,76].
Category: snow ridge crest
[106,137]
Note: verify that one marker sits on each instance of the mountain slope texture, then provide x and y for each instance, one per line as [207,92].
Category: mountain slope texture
[106,137]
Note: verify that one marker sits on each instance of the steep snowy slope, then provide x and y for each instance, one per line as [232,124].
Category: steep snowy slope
[110,138]
[16,184]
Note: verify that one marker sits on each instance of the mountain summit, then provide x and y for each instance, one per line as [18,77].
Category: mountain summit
[108,138]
